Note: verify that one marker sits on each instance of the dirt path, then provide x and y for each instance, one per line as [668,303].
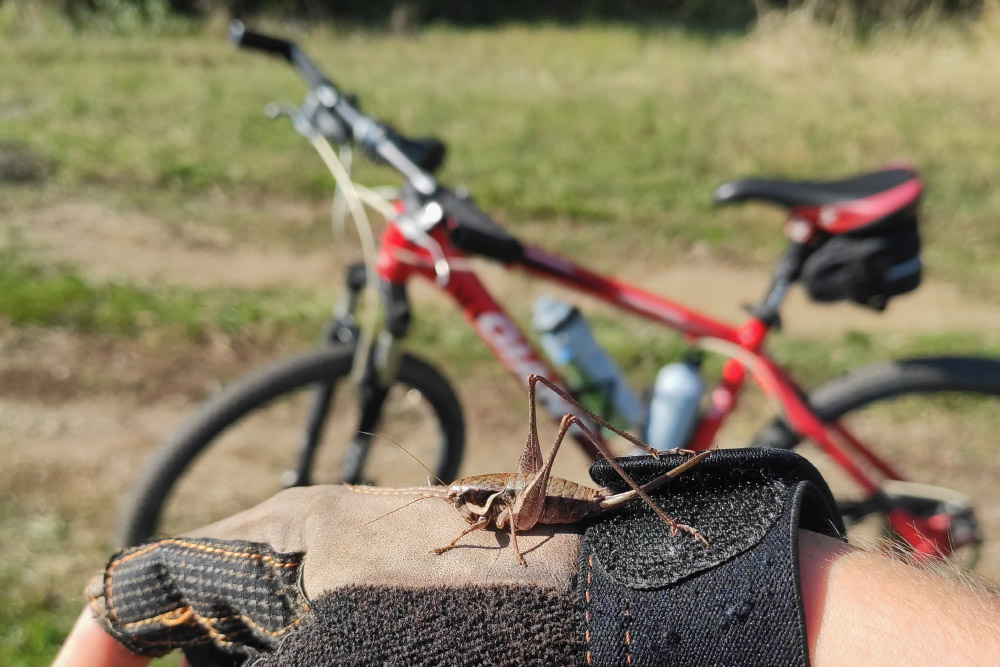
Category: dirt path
[106,244]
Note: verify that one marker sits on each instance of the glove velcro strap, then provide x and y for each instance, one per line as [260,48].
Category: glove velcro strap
[199,594]
[650,599]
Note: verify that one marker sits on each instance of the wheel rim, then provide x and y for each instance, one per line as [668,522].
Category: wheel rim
[944,439]
[250,460]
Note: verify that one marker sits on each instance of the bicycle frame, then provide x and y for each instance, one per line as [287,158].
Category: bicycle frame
[399,259]
[327,115]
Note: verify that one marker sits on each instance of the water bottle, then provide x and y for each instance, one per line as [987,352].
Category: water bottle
[673,410]
[591,374]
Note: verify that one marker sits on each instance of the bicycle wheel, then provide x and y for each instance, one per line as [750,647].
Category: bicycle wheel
[236,449]
[937,420]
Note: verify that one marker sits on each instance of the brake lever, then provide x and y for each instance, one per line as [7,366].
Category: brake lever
[276,110]
[311,120]
[300,122]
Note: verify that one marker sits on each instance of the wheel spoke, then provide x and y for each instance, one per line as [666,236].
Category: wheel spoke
[243,443]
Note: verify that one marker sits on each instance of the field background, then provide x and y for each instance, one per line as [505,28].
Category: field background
[159,236]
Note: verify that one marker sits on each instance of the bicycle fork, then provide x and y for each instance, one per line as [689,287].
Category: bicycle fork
[379,373]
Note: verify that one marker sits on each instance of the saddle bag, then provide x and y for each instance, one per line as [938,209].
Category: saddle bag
[868,265]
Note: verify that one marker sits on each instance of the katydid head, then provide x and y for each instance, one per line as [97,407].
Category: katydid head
[481,495]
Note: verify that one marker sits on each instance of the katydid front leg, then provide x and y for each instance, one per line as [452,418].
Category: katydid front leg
[480,523]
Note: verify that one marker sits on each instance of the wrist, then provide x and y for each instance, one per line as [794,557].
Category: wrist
[865,607]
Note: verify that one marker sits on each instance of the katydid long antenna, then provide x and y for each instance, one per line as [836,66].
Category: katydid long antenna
[398,508]
[408,453]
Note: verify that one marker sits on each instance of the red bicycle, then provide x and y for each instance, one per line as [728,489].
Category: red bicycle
[849,239]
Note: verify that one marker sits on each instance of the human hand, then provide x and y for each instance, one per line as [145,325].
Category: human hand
[88,645]
[342,530]
[302,544]
[349,572]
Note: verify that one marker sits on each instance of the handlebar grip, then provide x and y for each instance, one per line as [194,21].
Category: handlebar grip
[476,232]
[247,39]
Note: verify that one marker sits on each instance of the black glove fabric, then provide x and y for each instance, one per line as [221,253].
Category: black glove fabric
[273,585]
[651,601]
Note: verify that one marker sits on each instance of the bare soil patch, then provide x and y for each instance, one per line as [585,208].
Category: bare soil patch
[107,243]
[52,366]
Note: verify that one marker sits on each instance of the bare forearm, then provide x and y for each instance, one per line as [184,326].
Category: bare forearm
[866,608]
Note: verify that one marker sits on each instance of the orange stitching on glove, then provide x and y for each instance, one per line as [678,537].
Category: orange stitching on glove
[424,491]
[628,637]
[179,616]
[189,617]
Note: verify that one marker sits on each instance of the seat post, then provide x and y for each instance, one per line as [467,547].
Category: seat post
[786,272]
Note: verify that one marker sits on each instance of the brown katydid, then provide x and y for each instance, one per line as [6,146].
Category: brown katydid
[532,496]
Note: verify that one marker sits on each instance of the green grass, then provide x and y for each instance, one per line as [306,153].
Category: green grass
[34,624]
[58,296]
[816,360]
[624,131]
[39,604]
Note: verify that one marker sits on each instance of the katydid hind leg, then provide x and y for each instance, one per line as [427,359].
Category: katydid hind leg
[672,523]
[675,471]
[530,502]
[600,421]
[620,499]
[531,457]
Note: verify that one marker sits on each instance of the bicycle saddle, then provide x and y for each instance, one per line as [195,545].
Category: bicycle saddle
[835,206]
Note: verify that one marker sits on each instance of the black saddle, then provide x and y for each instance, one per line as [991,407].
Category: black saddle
[794,194]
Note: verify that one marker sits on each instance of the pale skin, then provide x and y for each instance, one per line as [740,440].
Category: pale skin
[861,608]
[867,608]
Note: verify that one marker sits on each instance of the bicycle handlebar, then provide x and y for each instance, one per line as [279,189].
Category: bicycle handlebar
[247,39]
[477,232]
[372,135]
